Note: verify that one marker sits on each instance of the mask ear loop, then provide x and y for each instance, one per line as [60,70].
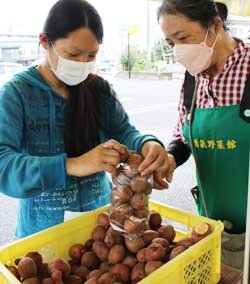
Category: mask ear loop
[205,40]
[52,68]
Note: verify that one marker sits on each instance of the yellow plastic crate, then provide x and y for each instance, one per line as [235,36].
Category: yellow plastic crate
[200,264]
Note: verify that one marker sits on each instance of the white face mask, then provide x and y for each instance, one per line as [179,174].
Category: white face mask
[194,57]
[71,72]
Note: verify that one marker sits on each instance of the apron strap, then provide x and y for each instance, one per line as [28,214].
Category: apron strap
[245,102]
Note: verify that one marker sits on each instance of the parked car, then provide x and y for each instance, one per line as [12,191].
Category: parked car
[8,70]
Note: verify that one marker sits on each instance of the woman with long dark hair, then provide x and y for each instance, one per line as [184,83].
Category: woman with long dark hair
[62,128]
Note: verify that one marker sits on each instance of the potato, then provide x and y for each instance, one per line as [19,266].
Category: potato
[121,212]
[96,273]
[105,266]
[130,261]
[141,213]
[106,278]
[138,273]
[163,242]
[88,244]
[14,271]
[112,237]
[149,235]
[121,178]
[57,276]
[76,251]
[167,232]
[82,272]
[200,231]
[90,260]
[43,271]
[139,201]
[91,281]
[72,279]
[155,252]
[36,256]
[186,242]
[48,281]
[116,254]
[27,268]
[139,184]
[33,280]
[134,245]
[176,251]
[134,225]
[154,220]
[121,273]
[134,161]
[59,264]
[98,233]
[124,157]
[151,266]
[101,250]
[141,255]
[121,195]
[17,260]
[103,220]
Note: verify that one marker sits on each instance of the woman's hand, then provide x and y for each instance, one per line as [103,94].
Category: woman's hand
[157,162]
[104,157]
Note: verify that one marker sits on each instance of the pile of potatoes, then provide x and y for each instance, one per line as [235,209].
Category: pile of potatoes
[109,257]
[129,200]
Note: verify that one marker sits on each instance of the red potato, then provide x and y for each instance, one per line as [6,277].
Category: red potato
[57,276]
[167,232]
[105,266]
[98,233]
[48,281]
[134,245]
[76,251]
[43,271]
[138,273]
[155,252]
[176,251]
[163,242]
[36,256]
[149,236]
[88,244]
[116,254]
[151,266]
[33,280]
[139,184]
[186,242]
[72,279]
[106,278]
[130,261]
[139,201]
[112,237]
[121,213]
[90,260]
[141,213]
[121,195]
[134,161]
[134,225]
[101,250]
[96,273]
[121,273]
[154,220]
[27,268]
[59,264]
[141,255]
[103,220]
[200,231]
[91,281]
[82,272]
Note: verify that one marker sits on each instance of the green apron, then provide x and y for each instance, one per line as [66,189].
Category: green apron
[221,142]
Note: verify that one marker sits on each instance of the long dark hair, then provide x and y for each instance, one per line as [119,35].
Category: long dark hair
[84,114]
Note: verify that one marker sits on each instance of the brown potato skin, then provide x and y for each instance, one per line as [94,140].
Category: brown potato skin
[176,251]
[151,266]
[154,220]
[167,232]
[116,254]
[27,268]
[138,272]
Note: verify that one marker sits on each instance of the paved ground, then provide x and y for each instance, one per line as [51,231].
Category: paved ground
[152,106]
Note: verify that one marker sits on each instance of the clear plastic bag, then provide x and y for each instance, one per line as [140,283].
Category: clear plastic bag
[129,201]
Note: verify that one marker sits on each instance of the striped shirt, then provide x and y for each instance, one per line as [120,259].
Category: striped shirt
[224,89]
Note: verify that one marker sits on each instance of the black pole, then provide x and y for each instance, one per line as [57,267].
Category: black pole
[129,69]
